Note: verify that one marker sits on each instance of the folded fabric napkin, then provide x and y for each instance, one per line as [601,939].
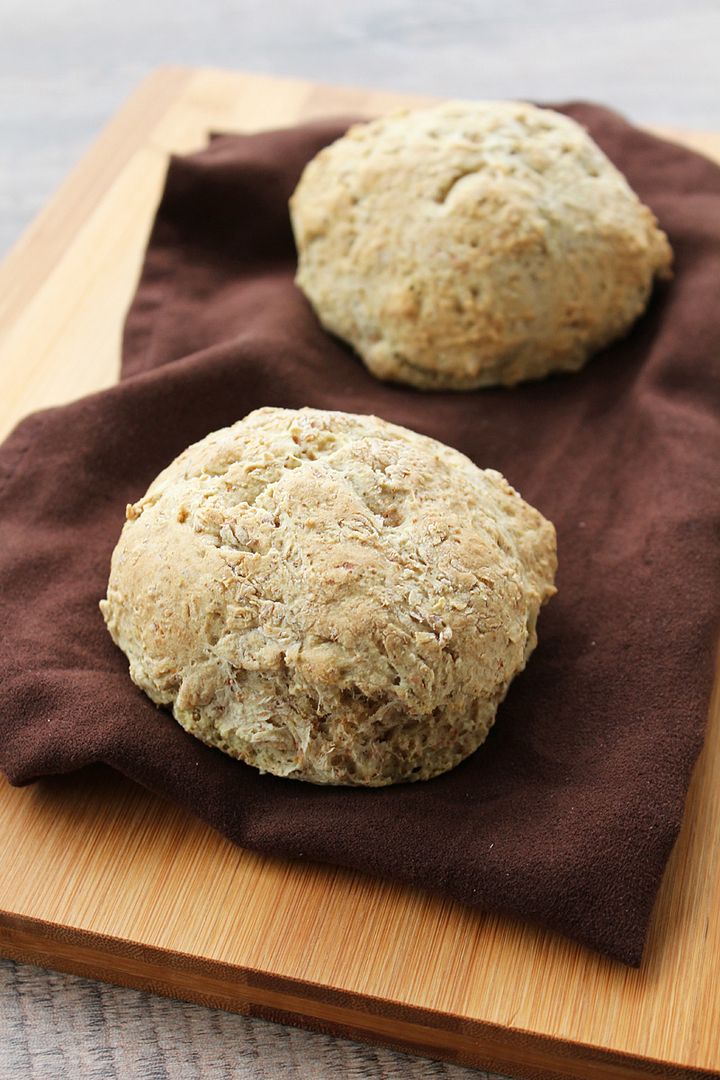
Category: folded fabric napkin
[567,814]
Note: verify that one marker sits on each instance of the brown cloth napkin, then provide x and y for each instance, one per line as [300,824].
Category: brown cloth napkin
[567,815]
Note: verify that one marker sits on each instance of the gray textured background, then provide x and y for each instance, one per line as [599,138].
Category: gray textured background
[65,65]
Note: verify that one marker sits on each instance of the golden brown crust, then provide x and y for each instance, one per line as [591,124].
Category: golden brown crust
[329,596]
[473,243]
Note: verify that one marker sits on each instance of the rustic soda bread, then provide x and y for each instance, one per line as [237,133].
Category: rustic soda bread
[330,597]
[473,243]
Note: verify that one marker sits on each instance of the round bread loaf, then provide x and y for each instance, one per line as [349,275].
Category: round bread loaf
[330,597]
[473,243]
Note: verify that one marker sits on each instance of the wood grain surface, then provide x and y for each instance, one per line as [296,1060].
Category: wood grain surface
[101,878]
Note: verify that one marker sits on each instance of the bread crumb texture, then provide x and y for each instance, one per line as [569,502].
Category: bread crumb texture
[330,597]
[473,244]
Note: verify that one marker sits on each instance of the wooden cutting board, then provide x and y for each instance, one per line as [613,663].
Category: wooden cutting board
[101,878]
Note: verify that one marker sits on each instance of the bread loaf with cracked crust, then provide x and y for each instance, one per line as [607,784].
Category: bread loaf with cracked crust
[330,597]
[473,243]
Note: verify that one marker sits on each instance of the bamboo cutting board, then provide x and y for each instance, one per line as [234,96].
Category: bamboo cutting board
[101,878]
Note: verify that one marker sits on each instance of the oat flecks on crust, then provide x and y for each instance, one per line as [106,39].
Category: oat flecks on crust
[472,244]
[330,597]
